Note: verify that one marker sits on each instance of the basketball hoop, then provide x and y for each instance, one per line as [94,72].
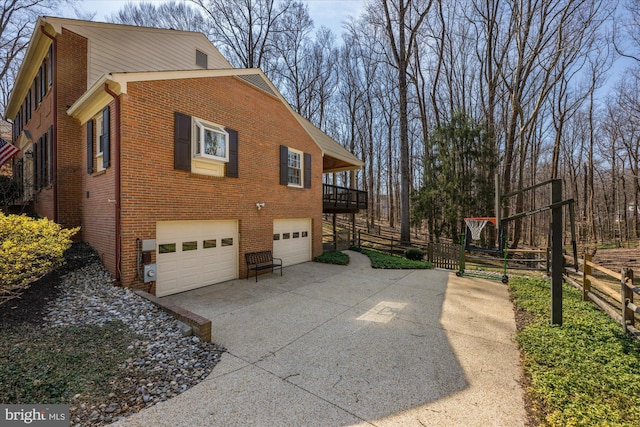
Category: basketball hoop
[475,225]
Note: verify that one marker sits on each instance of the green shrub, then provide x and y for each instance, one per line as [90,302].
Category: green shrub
[386,261]
[333,257]
[414,254]
[29,249]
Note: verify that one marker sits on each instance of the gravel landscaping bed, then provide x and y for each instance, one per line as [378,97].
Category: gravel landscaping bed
[159,362]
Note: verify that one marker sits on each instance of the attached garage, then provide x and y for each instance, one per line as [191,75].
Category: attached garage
[292,240]
[192,254]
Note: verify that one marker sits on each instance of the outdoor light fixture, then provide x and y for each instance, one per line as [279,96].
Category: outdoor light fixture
[260,205]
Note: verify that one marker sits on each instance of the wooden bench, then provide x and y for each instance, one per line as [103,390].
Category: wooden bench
[257,261]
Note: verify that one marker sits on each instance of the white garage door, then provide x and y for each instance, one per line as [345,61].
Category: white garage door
[192,254]
[292,240]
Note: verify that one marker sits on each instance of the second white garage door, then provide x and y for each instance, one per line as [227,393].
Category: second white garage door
[292,240]
[192,254]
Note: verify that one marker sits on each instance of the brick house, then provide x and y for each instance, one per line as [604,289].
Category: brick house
[168,158]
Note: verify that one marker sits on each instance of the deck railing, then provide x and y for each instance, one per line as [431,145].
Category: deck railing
[335,197]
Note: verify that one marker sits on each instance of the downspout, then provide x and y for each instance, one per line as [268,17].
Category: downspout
[54,114]
[116,165]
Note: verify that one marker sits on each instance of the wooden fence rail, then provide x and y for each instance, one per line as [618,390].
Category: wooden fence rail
[629,309]
[441,255]
[623,297]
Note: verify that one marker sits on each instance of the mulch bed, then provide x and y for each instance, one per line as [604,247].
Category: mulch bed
[29,308]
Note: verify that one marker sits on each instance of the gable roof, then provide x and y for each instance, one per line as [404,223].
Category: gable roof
[142,53]
[335,157]
[132,48]
[114,47]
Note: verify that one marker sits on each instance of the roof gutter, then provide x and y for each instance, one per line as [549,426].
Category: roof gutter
[118,195]
[54,114]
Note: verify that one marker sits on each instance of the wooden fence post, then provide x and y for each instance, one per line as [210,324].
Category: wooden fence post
[462,253]
[548,266]
[627,297]
[586,273]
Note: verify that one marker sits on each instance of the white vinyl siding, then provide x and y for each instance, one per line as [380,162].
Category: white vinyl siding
[122,48]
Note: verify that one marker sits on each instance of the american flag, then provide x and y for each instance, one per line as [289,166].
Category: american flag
[7,151]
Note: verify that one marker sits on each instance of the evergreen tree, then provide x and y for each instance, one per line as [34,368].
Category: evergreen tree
[461,183]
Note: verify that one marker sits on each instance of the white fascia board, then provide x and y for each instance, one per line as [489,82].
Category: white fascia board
[94,100]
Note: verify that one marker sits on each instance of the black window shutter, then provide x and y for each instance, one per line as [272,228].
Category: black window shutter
[43,79]
[90,141]
[44,156]
[182,142]
[307,170]
[50,65]
[50,151]
[105,140]
[284,165]
[232,165]
[36,166]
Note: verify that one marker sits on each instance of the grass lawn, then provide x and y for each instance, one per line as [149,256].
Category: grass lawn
[52,365]
[382,260]
[583,373]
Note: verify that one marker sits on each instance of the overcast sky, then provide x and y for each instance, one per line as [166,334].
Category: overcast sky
[330,13]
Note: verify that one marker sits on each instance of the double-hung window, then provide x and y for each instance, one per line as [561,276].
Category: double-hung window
[99,145]
[295,168]
[98,142]
[211,141]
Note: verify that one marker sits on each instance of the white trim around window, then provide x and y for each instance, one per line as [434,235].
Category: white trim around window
[98,142]
[210,141]
[296,168]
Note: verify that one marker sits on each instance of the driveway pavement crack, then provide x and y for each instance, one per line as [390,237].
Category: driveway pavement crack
[336,383]
[289,376]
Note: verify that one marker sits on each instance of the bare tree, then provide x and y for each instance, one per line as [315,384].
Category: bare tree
[307,71]
[349,93]
[540,33]
[245,29]
[629,103]
[402,20]
[173,14]
[324,65]
[17,18]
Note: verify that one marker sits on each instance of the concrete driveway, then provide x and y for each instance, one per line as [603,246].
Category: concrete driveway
[326,345]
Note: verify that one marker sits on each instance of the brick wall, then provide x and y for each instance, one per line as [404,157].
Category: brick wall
[153,191]
[99,206]
[41,120]
[72,83]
